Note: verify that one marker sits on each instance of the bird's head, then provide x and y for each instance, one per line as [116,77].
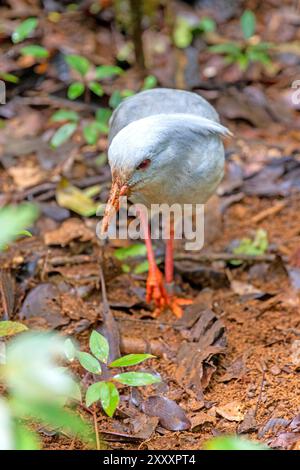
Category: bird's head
[145,152]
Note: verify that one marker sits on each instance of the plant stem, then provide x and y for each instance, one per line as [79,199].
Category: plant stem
[136,13]
[96,430]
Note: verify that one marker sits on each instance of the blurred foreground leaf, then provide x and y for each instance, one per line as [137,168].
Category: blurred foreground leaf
[14,219]
[232,443]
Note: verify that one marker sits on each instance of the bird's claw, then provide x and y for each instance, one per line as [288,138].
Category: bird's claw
[157,293]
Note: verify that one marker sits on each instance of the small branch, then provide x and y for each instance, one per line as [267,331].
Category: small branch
[267,212]
[269,258]
[136,12]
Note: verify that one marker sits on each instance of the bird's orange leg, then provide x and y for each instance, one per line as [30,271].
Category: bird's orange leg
[175,303]
[155,289]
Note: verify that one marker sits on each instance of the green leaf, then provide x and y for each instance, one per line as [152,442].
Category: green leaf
[103,115]
[24,29]
[258,246]
[91,133]
[227,48]
[78,63]
[115,99]
[54,416]
[9,77]
[99,346]
[257,55]
[183,33]
[130,360]
[9,328]
[75,90]
[93,130]
[88,362]
[142,267]
[65,115]
[109,397]
[75,199]
[63,134]
[92,191]
[232,443]
[96,88]
[149,82]
[70,350]
[25,233]
[207,25]
[136,379]
[35,50]
[107,71]
[93,394]
[25,439]
[132,251]
[248,23]
[243,62]
[13,219]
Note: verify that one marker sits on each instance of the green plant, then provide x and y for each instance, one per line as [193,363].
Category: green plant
[249,50]
[22,32]
[232,443]
[257,246]
[106,390]
[70,121]
[89,77]
[185,31]
[37,391]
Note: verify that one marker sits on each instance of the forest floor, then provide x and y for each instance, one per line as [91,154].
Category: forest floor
[232,363]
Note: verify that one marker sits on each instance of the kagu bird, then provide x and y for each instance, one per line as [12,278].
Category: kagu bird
[164,147]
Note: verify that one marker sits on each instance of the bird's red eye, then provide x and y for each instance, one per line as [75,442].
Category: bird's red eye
[144,164]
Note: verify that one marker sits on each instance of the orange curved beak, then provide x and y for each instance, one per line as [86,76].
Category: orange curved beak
[117,190]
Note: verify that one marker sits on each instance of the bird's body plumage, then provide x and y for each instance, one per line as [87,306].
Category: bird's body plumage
[180,132]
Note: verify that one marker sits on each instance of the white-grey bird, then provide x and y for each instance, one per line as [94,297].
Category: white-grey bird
[164,147]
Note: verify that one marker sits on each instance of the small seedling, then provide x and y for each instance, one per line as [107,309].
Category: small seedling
[249,50]
[185,31]
[106,391]
[258,246]
[70,121]
[89,77]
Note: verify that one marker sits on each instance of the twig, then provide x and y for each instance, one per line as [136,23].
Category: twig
[110,327]
[260,391]
[267,212]
[227,257]
[136,12]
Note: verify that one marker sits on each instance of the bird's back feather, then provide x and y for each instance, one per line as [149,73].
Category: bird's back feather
[159,101]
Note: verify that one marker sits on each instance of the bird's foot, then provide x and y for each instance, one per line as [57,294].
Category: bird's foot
[156,292]
[175,304]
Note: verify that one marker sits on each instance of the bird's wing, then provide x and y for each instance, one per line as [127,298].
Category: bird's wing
[159,101]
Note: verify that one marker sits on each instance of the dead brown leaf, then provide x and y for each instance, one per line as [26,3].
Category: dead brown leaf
[231,411]
[72,229]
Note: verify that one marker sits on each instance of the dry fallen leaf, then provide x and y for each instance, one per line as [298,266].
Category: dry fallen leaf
[26,176]
[75,199]
[231,411]
[72,229]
